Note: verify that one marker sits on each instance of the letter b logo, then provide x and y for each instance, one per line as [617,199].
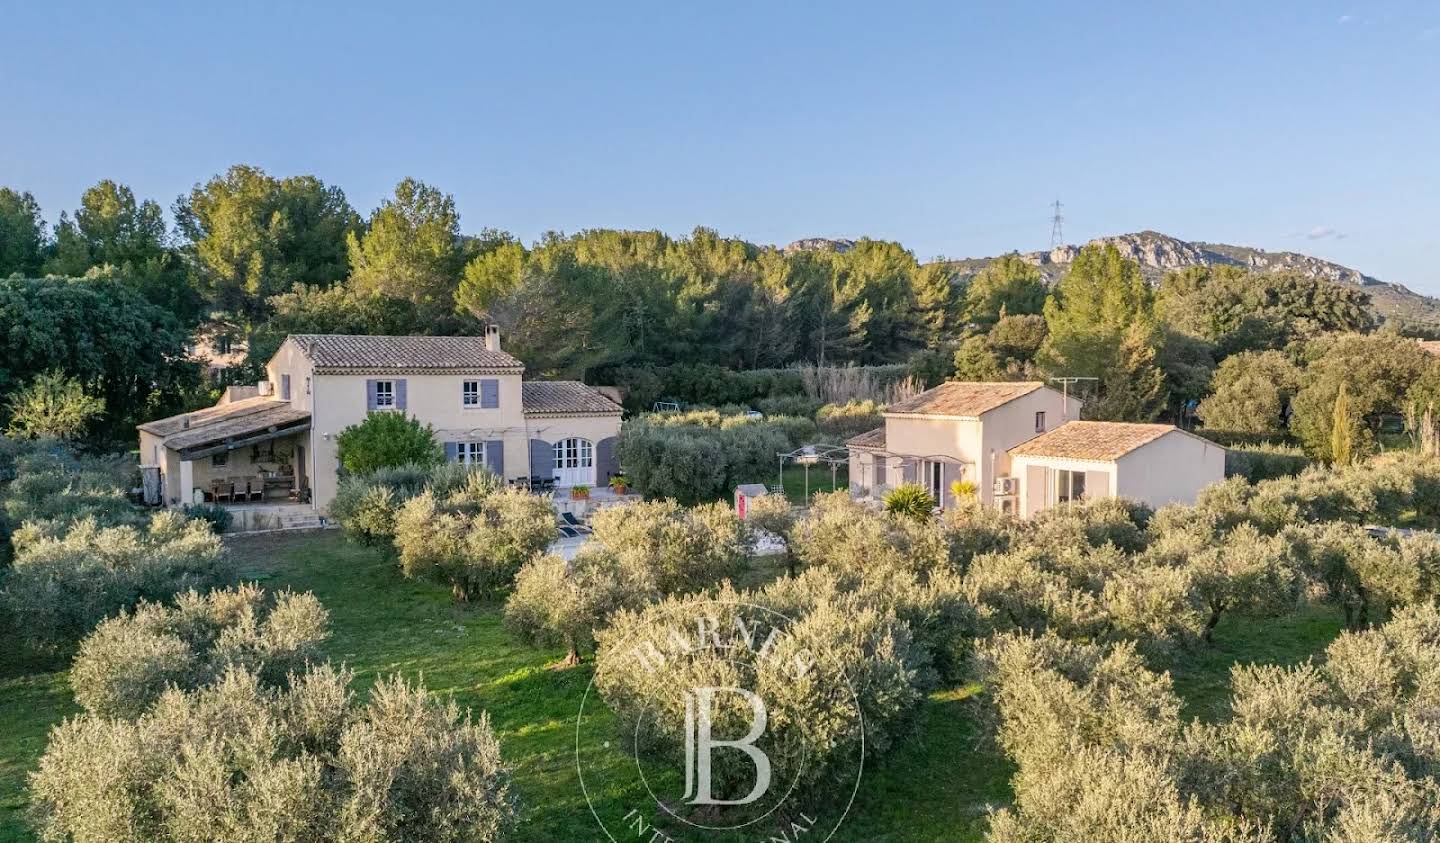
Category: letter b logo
[699,706]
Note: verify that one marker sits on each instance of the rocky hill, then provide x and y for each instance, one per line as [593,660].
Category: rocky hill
[1159,253]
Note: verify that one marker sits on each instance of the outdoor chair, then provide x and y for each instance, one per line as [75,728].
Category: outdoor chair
[575,523]
[239,489]
[257,488]
[220,490]
[568,532]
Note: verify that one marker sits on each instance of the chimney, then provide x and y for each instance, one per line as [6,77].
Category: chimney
[492,337]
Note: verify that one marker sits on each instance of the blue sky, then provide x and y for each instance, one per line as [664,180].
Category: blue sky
[1310,126]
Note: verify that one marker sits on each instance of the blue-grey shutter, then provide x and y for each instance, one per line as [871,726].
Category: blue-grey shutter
[452,451]
[606,465]
[400,394]
[542,458]
[370,396]
[285,387]
[495,456]
[489,394]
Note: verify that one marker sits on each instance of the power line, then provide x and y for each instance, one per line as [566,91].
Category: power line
[1057,238]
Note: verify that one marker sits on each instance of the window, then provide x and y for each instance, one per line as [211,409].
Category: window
[1069,485]
[470,394]
[285,387]
[307,384]
[1040,422]
[222,344]
[471,453]
[573,453]
[931,474]
[384,395]
[219,460]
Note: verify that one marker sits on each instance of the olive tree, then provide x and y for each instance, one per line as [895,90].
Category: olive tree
[560,602]
[680,549]
[61,587]
[237,761]
[476,539]
[130,659]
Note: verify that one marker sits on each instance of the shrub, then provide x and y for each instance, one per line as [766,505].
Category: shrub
[842,534]
[701,456]
[562,603]
[52,406]
[236,762]
[910,500]
[476,539]
[130,659]
[1337,749]
[218,517]
[60,588]
[1264,461]
[387,440]
[366,505]
[814,729]
[678,549]
[849,419]
[773,514]
[799,406]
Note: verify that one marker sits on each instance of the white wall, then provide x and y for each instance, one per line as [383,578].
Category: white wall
[1038,480]
[1171,469]
[1011,424]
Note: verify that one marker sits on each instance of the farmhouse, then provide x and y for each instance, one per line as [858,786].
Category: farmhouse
[275,441]
[1023,449]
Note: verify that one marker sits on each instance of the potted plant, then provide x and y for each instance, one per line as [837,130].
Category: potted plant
[579,493]
[619,483]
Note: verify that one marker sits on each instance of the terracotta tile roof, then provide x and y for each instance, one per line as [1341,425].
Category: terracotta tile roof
[869,439]
[235,420]
[542,398]
[209,415]
[342,352]
[1099,441]
[963,398]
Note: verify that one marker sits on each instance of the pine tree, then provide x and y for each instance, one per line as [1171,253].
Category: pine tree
[1134,389]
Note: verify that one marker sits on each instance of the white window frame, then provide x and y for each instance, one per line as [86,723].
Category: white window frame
[470,453]
[574,452]
[932,477]
[470,394]
[385,400]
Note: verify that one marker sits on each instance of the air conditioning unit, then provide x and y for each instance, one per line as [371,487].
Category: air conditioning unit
[1007,485]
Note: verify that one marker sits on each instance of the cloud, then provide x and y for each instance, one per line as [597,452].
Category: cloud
[1345,19]
[1321,232]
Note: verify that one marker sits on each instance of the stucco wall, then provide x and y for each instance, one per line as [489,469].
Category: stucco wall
[1038,487]
[1012,423]
[1171,469]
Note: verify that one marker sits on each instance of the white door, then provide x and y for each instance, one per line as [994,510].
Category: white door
[574,463]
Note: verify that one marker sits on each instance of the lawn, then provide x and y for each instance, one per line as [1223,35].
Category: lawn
[820,481]
[936,786]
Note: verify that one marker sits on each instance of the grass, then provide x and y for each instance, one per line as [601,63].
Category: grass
[936,785]
[820,481]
